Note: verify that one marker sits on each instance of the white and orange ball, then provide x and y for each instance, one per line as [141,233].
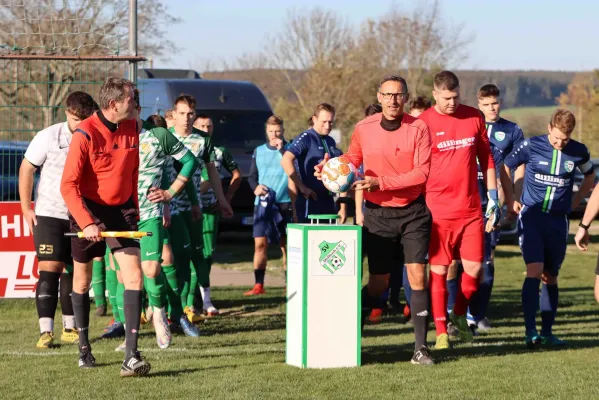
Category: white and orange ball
[338,174]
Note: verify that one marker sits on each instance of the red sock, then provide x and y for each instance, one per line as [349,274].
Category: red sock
[438,286]
[468,287]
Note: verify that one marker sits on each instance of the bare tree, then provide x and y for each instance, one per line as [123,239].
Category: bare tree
[83,28]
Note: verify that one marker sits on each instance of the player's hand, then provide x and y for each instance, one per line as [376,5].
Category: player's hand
[260,190]
[493,210]
[92,233]
[278,143]
[166,216]
[31,219]
[582,239]
[359,218]
[157,195]
[318,168]
[307,192]
[196,213]
[517,207]
[369,183]
[226,210]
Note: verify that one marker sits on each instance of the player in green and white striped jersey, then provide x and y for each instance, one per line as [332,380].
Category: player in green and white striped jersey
[156,146]
[209,203]
[186,219]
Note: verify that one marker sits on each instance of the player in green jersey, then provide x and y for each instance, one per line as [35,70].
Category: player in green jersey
[186,215]
[211,214]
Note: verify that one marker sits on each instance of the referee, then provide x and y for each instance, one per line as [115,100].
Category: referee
[99,187]
[395,149]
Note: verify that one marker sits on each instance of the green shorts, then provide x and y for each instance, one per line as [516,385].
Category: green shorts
[151,246]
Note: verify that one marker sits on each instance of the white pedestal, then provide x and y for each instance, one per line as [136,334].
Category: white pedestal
[323,296]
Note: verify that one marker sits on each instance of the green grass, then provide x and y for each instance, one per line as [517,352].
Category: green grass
[241,354]
[526,111]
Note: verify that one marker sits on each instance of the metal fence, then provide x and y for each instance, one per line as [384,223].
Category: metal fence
[32,94]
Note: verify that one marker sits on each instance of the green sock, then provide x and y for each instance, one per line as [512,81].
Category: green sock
[99,282]
[204,275]
[154,287]
[193,284]
[120,300]
[172,292]
[111,283]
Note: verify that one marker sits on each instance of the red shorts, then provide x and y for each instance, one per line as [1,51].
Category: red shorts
[456,239]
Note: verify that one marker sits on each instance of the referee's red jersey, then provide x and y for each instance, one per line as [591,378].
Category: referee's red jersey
[101,166]
[400,159]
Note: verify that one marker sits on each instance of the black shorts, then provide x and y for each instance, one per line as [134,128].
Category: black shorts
[108,218]
[49,239]
[394,236]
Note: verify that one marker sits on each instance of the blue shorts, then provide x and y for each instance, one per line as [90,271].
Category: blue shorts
[543,238]
[325,204]
[260,226]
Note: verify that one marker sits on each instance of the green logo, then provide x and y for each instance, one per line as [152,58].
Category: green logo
[332,255]
[569,166]
[500,136]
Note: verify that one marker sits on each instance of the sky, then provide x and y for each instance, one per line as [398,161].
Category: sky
[507,34]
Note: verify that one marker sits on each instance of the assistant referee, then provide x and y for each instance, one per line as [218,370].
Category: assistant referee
[395,149]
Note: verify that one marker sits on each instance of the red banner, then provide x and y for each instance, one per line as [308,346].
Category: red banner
[18,263]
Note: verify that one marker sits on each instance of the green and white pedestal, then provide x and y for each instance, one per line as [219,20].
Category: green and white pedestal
[324,294]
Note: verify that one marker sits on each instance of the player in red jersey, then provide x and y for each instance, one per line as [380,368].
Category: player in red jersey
[458,137]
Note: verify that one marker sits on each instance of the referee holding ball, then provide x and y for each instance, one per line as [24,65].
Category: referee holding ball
[395,149]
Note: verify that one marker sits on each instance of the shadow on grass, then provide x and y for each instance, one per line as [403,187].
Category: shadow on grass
[402,353]
[177,372]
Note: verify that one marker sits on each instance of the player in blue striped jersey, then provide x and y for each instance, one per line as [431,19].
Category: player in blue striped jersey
[543,216]
[504,136]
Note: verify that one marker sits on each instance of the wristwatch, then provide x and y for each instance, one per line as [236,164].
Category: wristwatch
[585,227]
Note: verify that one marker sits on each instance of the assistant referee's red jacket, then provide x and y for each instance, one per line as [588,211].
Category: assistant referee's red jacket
[101,166]
[400,159]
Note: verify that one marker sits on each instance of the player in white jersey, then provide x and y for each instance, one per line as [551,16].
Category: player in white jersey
[49,221]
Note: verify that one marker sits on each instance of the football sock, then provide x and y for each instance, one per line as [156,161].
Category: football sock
[66,302]
[132,305]
[549,300]
[46,299]
[120,302]
[155,289]
[99,282]
[111,283]
[172,292]
[530,302]
[468,286]
[420,316]
[259,276]
[439,301]
[81,309]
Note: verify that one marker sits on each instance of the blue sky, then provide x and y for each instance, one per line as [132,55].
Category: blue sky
[508,34]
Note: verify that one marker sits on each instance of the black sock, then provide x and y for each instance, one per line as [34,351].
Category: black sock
[420,316]
[66,288]
[259,276]
[198,301]
[132,307]
[81,310]
[46,294]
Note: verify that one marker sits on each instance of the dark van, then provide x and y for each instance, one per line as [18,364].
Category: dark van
[238,110]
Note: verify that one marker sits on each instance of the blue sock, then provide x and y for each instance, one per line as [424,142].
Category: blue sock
[407,289]
[480,301]
[549,299]
[530,302]
[452,292]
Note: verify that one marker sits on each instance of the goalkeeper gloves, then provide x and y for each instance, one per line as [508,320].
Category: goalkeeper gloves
[493,208]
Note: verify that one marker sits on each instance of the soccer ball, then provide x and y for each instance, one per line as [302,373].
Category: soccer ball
[338,174]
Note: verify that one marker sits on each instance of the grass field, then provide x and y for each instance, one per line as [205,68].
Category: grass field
[241,354]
